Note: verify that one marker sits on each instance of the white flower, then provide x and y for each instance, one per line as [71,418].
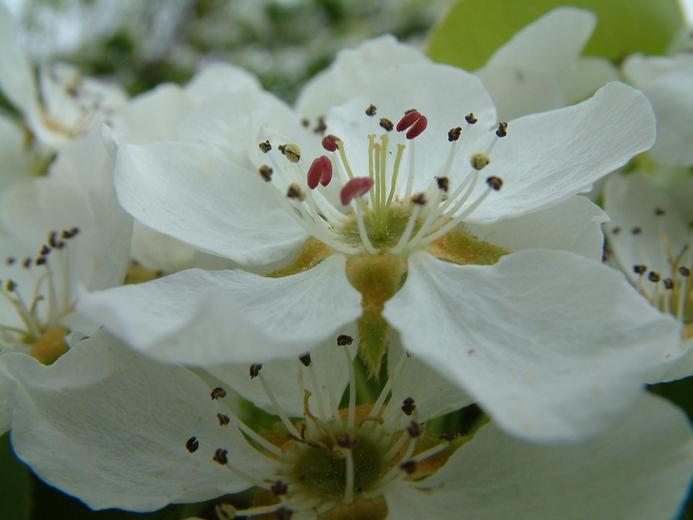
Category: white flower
[541,67]
[137,434]
[517,331]
[668,82]
[652,243]
[63,105]
[68,235]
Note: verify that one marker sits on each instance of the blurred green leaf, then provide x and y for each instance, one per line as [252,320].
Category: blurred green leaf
[472,30]
[15,485]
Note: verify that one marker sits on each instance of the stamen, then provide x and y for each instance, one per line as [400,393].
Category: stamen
[266,172]
[502,130]
[408,119]
[192,444]
[349,487]
[278,411]
[351,417]
[386,124]
[471,118]
[417,128]
[454,134]
[479,161]
[371,110]
[356,187]
[291,151]
[265,146]
[330,142]
[320,172]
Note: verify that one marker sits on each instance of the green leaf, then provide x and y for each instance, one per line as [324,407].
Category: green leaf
[473,30]
[15,484]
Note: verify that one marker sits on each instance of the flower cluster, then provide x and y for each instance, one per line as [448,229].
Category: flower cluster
[383,302]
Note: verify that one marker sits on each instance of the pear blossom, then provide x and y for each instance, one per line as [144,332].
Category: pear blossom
[138,434]
[67,234]
[62,106]
[541,67]
[421,224]
[651,241]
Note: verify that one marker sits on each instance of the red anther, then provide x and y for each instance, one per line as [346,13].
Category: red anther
[417,128]
[356,187]
[407,120]
[329,142]
[320,172]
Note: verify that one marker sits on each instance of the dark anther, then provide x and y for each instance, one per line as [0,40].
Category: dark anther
[223,419]
[470,118]
[443,183]
[10,285]
[295,192]
[279,488]
[653,277]
[409,466]
[668,283]
[343,340]
[320,126]
[265,146]
[305,359]
[44,250]
[41,260]
[496,183]
[636,230]
[502,129]
[684,271]
[479,161]
[305,122]
[291,152]
[639,269]
[616,230]
[371,110]
[659,212]
[53,239]
[192,444]
[283,513]
[266,172]
[345,440]
[414,430]
[408,406]
[448,436]
[255,370]
[220,456]
[27,262]
[330,142]
[10,260]
[410,111]
[419,198]
[386,124]
[454,133]
[218,393]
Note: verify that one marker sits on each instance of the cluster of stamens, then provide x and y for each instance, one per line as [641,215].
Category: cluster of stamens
[52,285]
[669,291]
[332,457]
[374,216]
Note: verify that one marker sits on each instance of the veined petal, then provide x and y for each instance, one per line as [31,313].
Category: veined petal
[109,426]
[201,196]
[574,225]
[640,470]
[16,78]
[207,317]
[546,158]
[533,335]
[351,73]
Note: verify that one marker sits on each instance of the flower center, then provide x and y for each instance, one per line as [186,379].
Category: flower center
[379,213]
[36,327]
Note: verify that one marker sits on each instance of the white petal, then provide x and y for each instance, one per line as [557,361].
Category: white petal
[672,99]
[203,197]
[16,78]
[220,78]
[288,379]
[532,335]
[639,470]
[574,225]
[433,395]
[631,201]
[684,367]
[15,162]
[6,401]
[152,116]
[229,316]
[351,73]
[110,427]
[589,74]
[442,93]
[546,158]
[157,251]
[78,193]
[641,70]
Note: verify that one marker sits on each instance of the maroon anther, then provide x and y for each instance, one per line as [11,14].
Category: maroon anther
[408,119]
[417,128]
[320,172]
[329,142]
[356,187]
